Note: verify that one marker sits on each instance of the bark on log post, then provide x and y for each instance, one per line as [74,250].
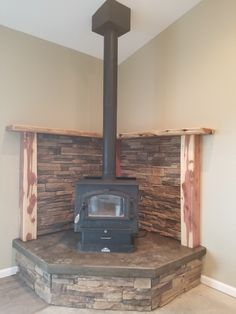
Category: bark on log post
[28,186]
[190,190]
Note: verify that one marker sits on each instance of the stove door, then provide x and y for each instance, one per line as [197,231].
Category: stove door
[106,206]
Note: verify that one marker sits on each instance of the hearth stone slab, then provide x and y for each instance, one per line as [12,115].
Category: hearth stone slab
[158,271]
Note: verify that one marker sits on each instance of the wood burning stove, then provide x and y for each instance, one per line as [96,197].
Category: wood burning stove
[106,208]
[106,214]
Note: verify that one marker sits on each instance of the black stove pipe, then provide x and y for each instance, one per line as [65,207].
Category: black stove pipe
[110,103]
[111,20]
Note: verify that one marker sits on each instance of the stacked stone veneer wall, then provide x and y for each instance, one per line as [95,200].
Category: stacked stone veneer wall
[62,161]
[115,293]
[155,162]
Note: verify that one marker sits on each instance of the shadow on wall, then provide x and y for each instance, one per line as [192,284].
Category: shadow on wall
[211,260]
[10,144]
[208,144]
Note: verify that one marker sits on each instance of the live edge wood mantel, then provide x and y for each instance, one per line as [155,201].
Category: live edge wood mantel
[190,175]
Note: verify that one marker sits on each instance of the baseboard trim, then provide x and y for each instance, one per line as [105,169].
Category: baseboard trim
[210,282]
[8,271]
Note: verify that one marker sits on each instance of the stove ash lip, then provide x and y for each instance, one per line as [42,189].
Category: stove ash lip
[117,178]
[116,181]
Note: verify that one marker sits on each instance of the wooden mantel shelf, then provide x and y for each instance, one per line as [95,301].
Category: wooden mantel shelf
[168,132]
[55,131]
[71,132]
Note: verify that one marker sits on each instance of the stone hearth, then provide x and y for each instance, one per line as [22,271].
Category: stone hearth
[158,271]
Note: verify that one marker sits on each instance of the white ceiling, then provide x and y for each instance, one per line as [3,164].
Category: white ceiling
[68,22]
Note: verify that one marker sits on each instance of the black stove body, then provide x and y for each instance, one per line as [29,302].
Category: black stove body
[106,214]
[106,208]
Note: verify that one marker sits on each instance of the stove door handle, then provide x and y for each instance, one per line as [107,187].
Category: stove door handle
[77,217]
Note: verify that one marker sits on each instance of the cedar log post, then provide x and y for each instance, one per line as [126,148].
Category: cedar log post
[28,186]
[190,190]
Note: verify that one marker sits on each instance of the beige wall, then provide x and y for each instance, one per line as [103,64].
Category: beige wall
[183,78]
[42,84]
[186,77]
